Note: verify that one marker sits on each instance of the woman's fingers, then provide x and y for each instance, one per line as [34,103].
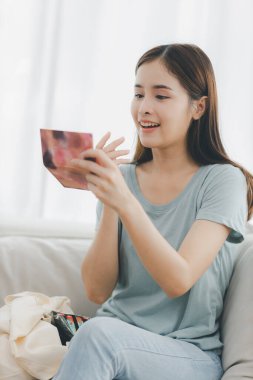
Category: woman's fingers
[103,141]
[85,167]
[114,144]
[110,147]
[118,153]
[102,161]
[93,179]
[123,161]
[100,156]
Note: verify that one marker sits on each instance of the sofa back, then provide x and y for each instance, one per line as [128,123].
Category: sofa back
[45,258]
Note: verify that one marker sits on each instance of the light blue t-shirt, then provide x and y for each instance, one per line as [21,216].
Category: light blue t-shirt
[216,192]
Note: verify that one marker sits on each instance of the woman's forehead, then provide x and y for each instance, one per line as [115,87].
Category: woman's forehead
[155,75]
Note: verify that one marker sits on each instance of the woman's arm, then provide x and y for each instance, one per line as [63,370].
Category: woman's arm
[168,269]
[100,266]
[174,271]
[99,269]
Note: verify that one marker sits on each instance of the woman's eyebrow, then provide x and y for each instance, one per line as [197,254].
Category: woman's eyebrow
[155,86]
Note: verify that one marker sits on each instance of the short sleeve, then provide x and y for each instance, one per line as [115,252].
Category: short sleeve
[225,200]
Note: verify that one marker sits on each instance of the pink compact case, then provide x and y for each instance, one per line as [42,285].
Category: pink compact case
[58,149]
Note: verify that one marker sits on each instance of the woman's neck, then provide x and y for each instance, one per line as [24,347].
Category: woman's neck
[172,164]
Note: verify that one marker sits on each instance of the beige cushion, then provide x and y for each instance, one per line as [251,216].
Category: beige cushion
[237,318]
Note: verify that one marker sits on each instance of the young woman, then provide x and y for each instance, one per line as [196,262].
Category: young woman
[167,228]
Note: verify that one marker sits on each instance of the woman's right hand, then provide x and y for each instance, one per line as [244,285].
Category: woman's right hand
[111,151]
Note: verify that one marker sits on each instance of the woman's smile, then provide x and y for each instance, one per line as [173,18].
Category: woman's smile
[149,129]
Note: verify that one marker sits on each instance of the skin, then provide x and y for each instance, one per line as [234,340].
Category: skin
[173,110]
[163,178]
[174,271]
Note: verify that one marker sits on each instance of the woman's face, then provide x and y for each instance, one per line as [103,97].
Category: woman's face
[169,107]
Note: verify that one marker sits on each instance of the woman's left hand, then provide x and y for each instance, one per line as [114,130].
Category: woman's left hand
[104,178]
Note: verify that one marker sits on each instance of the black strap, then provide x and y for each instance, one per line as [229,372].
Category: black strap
[75,322]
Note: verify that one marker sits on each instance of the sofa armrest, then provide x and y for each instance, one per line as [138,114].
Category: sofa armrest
[237,317]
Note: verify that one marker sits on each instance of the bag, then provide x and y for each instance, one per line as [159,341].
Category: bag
[67,325]
[30,345]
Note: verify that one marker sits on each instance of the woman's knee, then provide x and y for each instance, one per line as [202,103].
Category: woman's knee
[99,329]
[91,349]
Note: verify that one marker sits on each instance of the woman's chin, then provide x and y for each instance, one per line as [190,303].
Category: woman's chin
[148,144]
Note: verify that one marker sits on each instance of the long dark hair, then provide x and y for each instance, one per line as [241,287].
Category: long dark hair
[194,71]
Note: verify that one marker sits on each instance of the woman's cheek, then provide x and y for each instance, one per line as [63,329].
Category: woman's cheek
[133,109]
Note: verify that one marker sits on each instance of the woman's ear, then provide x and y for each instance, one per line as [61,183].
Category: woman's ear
[199,107]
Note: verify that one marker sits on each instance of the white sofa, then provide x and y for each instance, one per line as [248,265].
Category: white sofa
[46,257]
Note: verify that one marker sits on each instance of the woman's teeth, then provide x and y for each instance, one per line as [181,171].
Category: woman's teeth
[144,125]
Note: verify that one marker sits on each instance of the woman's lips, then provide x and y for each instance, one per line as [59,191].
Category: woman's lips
[148,130]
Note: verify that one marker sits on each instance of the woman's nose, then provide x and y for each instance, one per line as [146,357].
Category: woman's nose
[145,106]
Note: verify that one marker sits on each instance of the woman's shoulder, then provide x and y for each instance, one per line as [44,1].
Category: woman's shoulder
[223,175]
[221,169]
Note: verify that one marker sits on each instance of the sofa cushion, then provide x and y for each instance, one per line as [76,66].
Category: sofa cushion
[45,258]
[237,318]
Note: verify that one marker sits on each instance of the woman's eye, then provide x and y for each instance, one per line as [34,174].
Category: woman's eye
[160,97]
